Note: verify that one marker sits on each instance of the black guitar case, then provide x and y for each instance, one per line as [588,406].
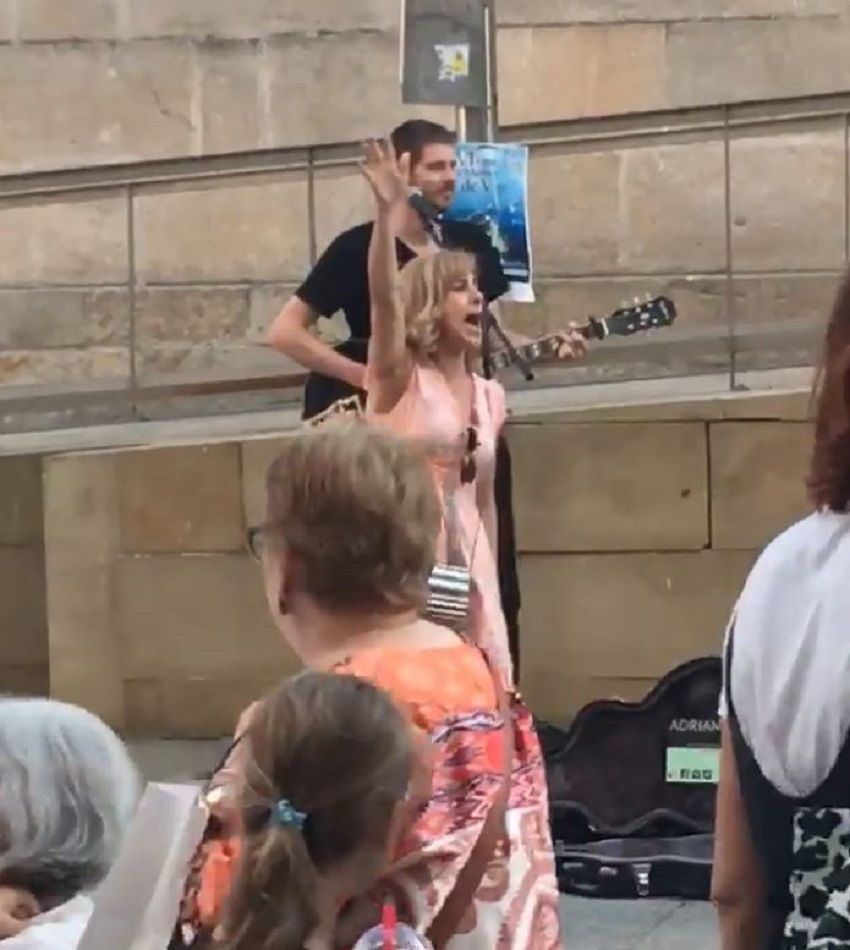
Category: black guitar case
[638,867]
[627,779]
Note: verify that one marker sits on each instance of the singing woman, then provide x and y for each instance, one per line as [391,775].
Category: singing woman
[426,334]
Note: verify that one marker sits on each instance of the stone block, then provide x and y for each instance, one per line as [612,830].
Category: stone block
[544,12]
[758,475]
[610,617]
[610,487]
[180,498]
[196,707]
[788,196]
[253,230]
[63,242]
[257,455]
[266,302]
[40,319]
[8,20]
[767,58]
[25,680]
[806,298]
[579,71]
[252,18]
[191,315]
[672,209]
[107,103]
[23,608]
[209,618]
[80,539]
[574,208]
[342,200]
[230,97]
[211,359]
[59,20]
[21,502]
[58,367]
[360,67]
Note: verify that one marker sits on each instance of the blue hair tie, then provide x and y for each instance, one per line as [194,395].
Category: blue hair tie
[285,815]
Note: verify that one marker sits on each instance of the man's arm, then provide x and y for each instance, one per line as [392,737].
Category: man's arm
[291,334]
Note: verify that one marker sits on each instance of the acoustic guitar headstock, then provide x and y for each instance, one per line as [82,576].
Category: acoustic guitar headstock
[650,314]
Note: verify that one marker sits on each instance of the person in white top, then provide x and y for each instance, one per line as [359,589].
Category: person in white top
[68,789]
[783,802]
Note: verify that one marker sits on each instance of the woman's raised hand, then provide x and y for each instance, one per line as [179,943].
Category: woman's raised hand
[387,175]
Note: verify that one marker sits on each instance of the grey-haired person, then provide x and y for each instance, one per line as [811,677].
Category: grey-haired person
[68,790]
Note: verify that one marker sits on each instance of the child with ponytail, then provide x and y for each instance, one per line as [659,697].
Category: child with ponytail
[329,760]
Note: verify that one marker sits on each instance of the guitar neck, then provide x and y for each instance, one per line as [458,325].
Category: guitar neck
[545,348]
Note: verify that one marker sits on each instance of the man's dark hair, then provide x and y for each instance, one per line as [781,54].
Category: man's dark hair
[416,134]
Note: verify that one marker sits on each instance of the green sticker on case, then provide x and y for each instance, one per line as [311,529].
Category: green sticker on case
[693,766]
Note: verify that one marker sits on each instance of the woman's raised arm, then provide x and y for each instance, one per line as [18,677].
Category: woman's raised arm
[389,359]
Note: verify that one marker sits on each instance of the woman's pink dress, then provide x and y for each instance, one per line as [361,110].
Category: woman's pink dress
[428,413]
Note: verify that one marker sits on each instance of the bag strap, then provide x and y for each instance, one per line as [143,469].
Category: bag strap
[445,925]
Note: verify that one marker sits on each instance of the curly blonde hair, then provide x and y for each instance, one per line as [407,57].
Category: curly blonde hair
[424,284]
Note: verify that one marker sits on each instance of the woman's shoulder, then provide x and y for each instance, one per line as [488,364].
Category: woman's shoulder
[806,564]
[806,546]
[452,677]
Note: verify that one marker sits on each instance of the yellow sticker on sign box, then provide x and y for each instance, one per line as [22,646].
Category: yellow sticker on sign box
[453,60]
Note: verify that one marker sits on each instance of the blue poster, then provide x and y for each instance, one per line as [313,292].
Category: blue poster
[492,192]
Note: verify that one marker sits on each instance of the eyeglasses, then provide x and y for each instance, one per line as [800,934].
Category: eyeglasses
[468,465]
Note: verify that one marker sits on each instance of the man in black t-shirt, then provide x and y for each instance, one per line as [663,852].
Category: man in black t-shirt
[339,282]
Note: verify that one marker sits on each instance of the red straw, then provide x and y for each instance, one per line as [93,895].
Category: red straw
[388,925]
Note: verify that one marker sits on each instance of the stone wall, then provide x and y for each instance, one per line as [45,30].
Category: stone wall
[125,80]
[636,527]
[214,261]
[131,80]
[101,81]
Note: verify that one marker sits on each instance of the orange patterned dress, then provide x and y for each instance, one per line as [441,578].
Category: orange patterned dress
[448,694]
[449,697]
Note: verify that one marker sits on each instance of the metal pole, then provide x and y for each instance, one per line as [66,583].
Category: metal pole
[131,298]
[727,218]
[480,125]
